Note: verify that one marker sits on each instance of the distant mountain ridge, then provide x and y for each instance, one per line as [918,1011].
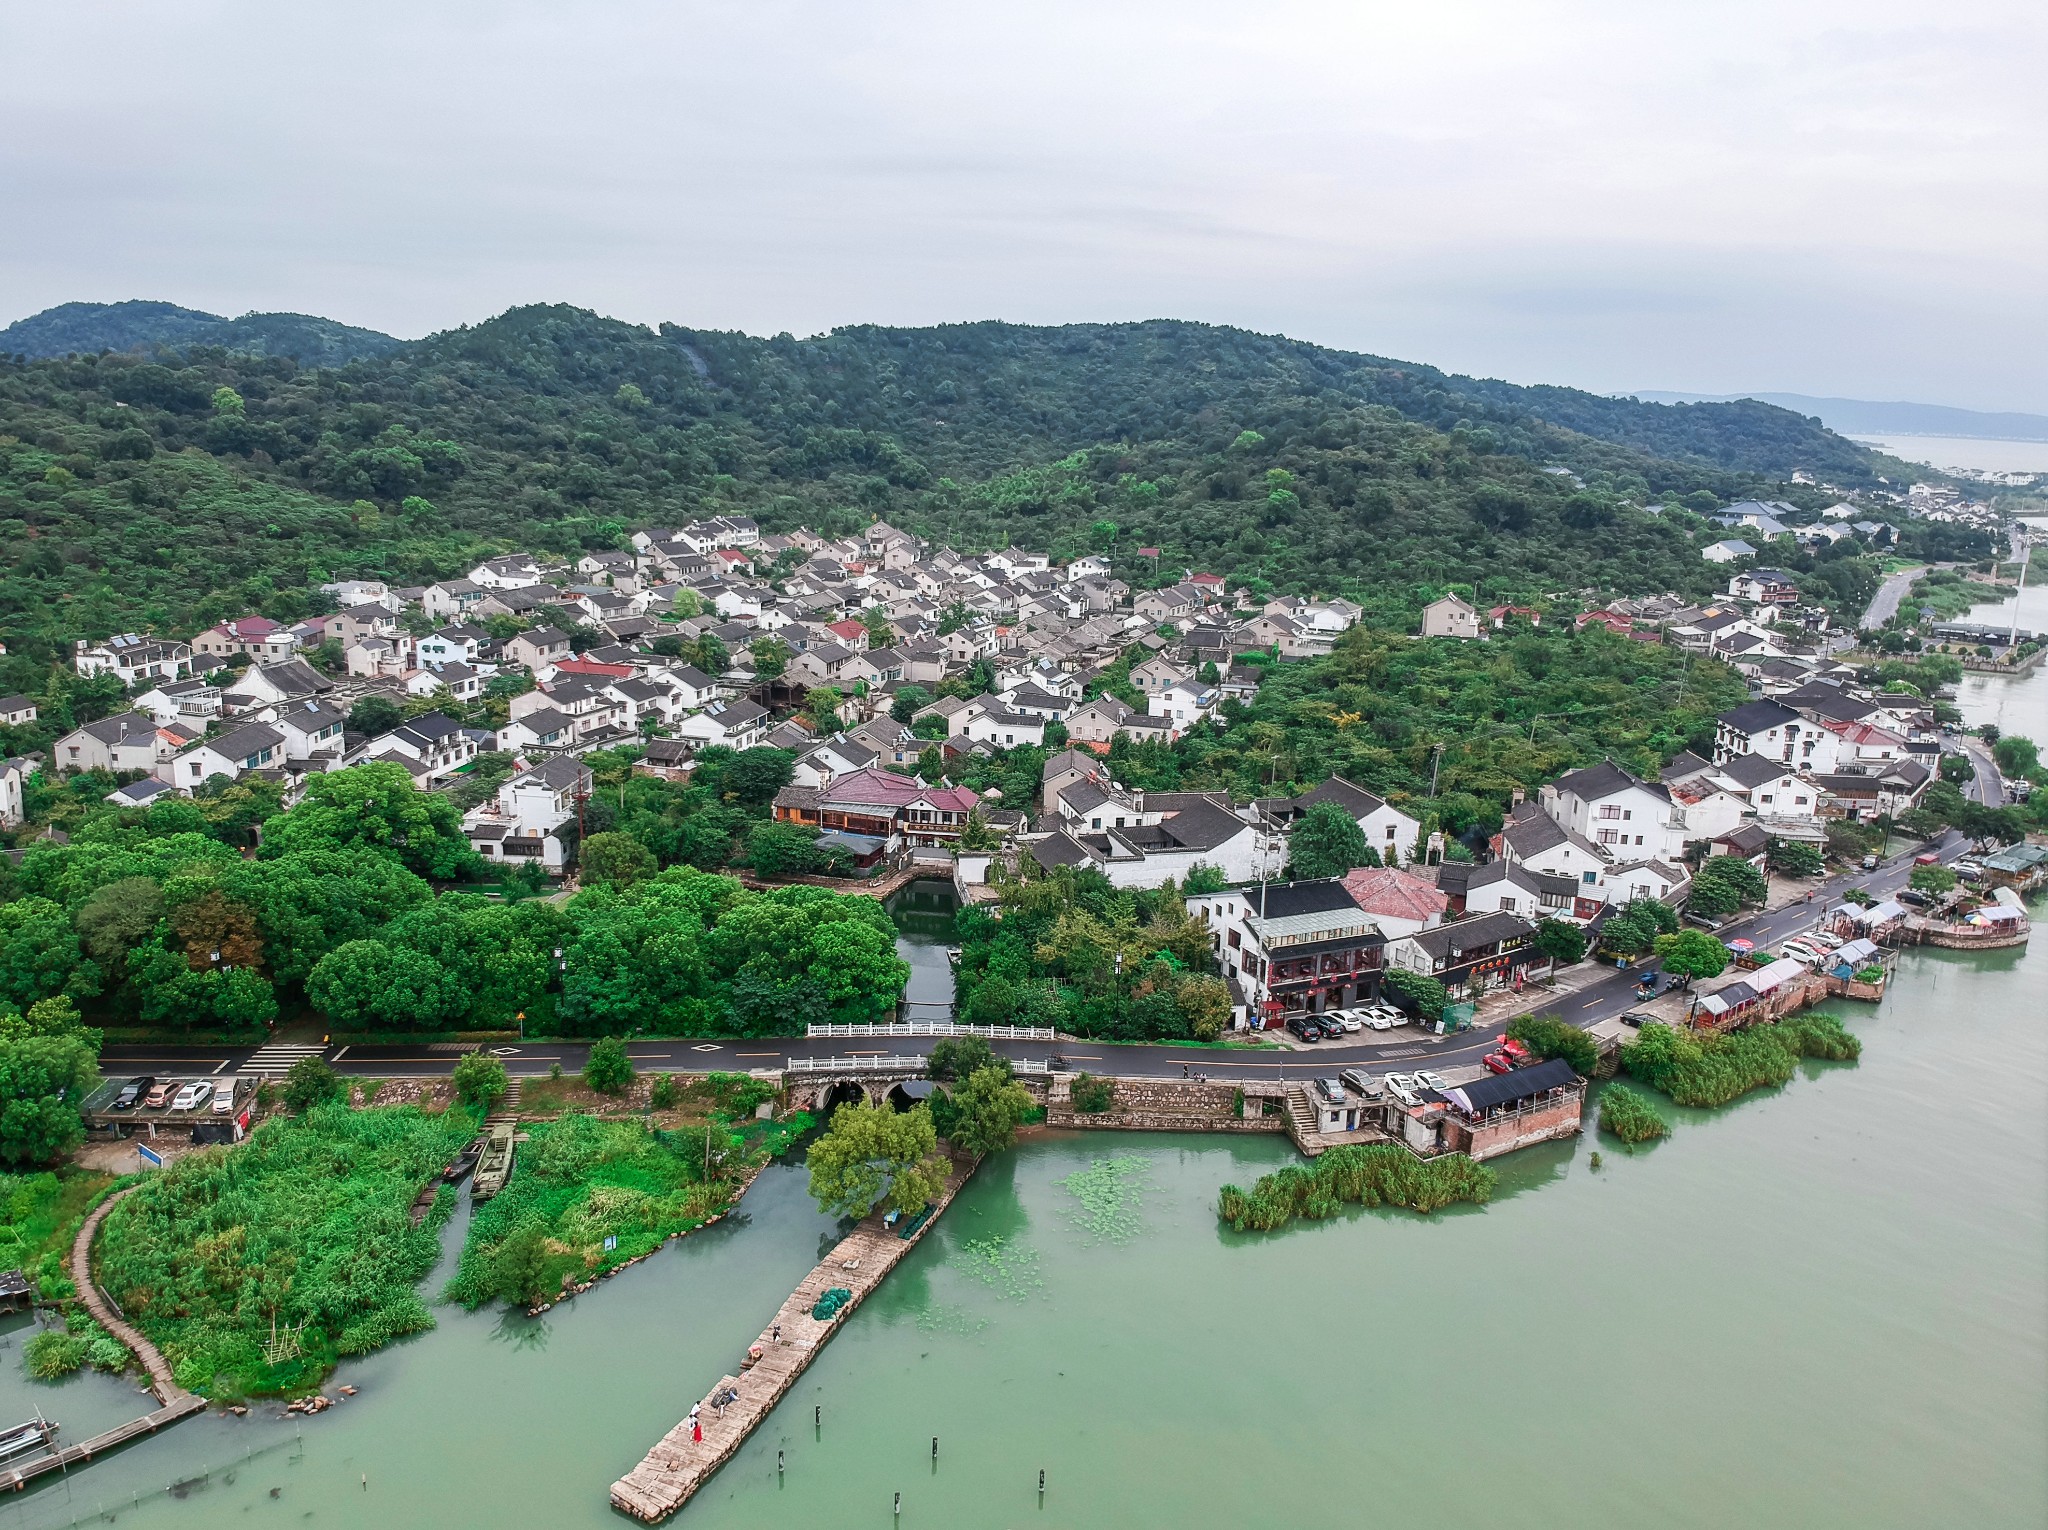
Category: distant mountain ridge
[1141,379]
[1868,417]
[86,329]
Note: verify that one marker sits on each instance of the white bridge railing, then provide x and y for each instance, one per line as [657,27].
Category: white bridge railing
[892,1065]
[857,1064]
[931,1028]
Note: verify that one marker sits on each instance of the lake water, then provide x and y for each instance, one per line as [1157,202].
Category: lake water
[1824,1306]
[1963,454]
[2018,705]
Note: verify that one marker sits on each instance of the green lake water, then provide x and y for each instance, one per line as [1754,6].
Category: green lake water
[1823,1306]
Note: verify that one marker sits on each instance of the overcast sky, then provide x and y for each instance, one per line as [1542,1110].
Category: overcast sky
[1823,196]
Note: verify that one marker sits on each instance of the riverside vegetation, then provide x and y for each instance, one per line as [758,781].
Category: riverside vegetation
[1374,1174]
[255,1269]
[588,1195]
[1707,1071]
[1629,1115]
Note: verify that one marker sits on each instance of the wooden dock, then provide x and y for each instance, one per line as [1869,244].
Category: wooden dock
[677,1466]
[18,1477]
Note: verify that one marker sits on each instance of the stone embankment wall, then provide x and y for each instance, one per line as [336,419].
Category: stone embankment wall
[1160,1105]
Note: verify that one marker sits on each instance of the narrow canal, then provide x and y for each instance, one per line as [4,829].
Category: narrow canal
[923,914]
[1823,1306]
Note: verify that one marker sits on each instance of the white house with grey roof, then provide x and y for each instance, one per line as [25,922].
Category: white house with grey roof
[531,818]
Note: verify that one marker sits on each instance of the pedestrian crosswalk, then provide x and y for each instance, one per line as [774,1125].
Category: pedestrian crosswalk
[277,1058]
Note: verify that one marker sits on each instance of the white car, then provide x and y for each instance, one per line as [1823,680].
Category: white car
[1348,1018]
[1434,1081]
[193,1095]
[224,1101]
[1402,1087]
[1379,1020]
[1805,950]
[1823,939]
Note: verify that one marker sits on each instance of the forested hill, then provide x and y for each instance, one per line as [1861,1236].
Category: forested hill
[170,490]
[82,329]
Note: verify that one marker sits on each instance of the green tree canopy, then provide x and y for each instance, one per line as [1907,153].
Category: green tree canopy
[991,1106]
[1327,842]
[873,1159]
[1692,954]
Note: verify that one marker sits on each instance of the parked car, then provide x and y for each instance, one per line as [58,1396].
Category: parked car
[1304,1028]
[1345,1018]
[224,1101]
[1382,1020]
[1362,1081]
[1823,938]
[1870,861]
[1799,950]
[160,1094]
[1969,871]
[132,1092]
[1402,1087]
[193,1095]
[1498,1062]
[1430,1080]
[1332,1090]
[1514,1049]
[1635,1019]
[1916,899]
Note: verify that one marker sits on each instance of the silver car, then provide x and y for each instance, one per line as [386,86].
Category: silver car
[193,1095]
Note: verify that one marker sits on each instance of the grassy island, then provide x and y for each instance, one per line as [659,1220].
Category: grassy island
[255,1269]
[581,1180]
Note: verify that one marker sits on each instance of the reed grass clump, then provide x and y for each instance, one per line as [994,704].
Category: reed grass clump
[1629,1115]
[1707,1071]
[1377,1174]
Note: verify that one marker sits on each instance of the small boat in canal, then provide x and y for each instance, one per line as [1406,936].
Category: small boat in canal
[494,1167]
[28,1439]
[465,1162]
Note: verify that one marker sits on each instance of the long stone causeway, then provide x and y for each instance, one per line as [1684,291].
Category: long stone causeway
[679,1465]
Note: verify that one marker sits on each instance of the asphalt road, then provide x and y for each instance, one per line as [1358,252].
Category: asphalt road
[1885,603]
[1987,786]
[1601,1001]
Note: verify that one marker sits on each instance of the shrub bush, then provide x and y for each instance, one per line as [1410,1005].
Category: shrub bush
[1093,1096]
[609,1070]
[479,1079]
[310,1082]
[1547,1036]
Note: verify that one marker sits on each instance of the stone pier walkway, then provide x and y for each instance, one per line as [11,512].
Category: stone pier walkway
[676,1467]
[162,1382]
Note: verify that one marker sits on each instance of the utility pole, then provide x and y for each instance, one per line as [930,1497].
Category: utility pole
[1438,751]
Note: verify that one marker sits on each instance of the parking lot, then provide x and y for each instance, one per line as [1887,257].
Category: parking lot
[167,1102]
